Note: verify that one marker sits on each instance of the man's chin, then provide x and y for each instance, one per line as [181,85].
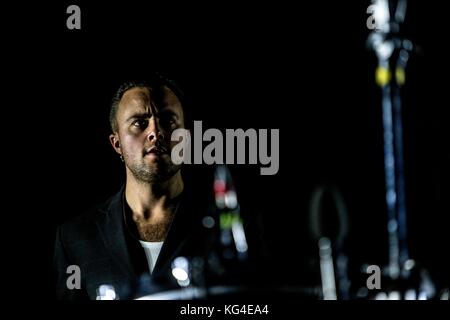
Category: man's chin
[156,172]
[153,158]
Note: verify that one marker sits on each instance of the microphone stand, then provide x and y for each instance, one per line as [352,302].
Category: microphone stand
[390,76]
[392,51]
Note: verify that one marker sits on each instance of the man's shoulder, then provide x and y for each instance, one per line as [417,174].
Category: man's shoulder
[90,216]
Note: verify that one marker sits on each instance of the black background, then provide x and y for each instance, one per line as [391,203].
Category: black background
[302,68]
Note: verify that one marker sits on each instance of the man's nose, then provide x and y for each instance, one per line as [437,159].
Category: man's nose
[153,131]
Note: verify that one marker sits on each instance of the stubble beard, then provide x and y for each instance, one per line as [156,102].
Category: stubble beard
[159,172]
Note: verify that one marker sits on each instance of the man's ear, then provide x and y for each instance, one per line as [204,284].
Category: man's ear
[115,142]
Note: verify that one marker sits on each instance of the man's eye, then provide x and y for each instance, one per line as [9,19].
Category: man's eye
[169,122]
[141,123]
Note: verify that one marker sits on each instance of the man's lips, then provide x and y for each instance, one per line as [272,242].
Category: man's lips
[155,151]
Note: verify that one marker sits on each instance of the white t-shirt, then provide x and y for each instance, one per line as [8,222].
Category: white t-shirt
[152,250]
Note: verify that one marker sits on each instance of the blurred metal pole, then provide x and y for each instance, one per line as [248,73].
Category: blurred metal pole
[387,44]
[402,60]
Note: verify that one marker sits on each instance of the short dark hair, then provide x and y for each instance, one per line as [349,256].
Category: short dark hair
[154,81]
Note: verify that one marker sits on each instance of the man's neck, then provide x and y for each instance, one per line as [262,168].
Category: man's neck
[150,203]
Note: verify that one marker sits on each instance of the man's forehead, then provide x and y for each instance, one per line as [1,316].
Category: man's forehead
[136,96]
[140,98]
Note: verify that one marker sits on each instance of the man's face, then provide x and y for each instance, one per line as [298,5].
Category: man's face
[145,122]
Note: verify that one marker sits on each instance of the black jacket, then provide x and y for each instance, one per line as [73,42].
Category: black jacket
[99,244]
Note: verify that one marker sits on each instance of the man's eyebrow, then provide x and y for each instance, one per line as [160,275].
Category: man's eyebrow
[168,112]
[139,116]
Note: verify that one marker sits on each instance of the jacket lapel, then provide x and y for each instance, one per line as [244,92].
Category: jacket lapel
[110,225]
